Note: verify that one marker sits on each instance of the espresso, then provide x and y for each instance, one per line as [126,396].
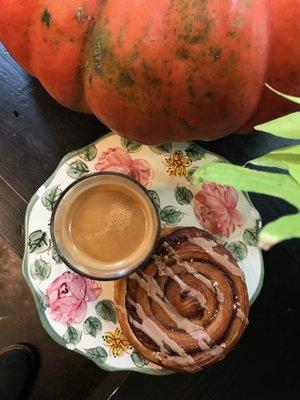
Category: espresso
[105,224]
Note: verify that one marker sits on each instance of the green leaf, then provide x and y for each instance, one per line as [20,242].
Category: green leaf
[40,269]
[55,256]
[287,126]
[195,152]
[138,359]
[97,354]
[130,145]
[183,195]
[42,299]
[250,237]
[190,173]
[92,326]
[281,158]
[155,197]
[50,197]
[38,242]
[238,249]
[273,184]
[77,169]
[72,335]
[165,148]
[295,172]
[106,310]
[284,228]
[89,153]
[286,96]
[171,216]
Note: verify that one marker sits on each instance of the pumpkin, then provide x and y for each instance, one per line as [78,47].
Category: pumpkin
[160,70]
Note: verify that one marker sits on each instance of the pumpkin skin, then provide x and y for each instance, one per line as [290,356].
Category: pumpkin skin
[161,70]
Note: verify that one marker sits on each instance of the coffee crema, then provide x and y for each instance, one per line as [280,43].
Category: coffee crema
[105,225]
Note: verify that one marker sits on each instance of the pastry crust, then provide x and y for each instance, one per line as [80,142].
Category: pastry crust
[189,307]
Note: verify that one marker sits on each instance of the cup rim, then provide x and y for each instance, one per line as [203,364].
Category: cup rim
[112,276]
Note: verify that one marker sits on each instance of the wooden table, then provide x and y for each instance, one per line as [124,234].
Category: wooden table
[35,133]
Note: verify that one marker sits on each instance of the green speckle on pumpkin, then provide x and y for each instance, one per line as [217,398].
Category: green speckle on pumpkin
[215,53]
[182,53]
[186,124]
[124,80]
[46,18]
[208,95]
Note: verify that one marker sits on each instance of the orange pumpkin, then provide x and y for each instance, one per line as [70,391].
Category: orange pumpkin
[160,70]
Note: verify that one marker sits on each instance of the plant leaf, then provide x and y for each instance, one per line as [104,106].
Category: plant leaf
[171,216]
[195,152]
[283,228]
[250,237]
[287,126]
[40,269]
[164,148]
[38,242]
[281,158]
[77,169]
[106,310]
[273,184]
[183,195]
[238,249]
[50,197]
[97,354]
[286,96]
[155,197]
[92,326]
[130,145]
[72,335]
[138,359]
[295,172]
[89,153]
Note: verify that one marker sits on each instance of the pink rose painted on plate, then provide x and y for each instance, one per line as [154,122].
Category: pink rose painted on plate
[215,207]
[68,296]
[118,160]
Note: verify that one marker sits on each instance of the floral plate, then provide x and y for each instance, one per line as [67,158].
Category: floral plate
[79,313]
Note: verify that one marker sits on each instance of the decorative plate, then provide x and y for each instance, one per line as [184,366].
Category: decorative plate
[79,313]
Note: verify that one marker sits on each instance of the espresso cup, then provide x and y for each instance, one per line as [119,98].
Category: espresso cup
[105,226]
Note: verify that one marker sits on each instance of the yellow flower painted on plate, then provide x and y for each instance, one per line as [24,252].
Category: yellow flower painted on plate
[117,342]
[177,164]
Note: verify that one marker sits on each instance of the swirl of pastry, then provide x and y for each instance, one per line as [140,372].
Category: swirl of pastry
[189,307]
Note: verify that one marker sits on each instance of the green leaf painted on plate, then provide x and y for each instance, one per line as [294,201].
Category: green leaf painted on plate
[284,228]
[195,152]
[106,310]
[190,173]
[155,197]
[138,359]
[43,299]
[97,354]
[40,270]
[171,216]
[287,126]
[183,195]
[165,148]
[50,197]
[286,96]
[238,249]
[92,326]
[72,335]
[89,153]
[55,256]
[77,169]
[38,242]
[130,145]
[250,237]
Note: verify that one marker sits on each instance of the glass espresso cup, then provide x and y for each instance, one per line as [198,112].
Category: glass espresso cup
[105,226]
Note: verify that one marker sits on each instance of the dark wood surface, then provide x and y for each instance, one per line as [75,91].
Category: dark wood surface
[35,133]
